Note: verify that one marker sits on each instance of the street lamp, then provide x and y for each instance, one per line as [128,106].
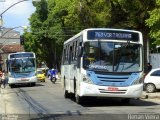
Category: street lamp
[1,20]
[15,4]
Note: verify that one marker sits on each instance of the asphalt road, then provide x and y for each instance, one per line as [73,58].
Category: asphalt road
[46,101]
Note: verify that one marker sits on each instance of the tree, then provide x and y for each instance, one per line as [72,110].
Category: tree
[132,15]
[153,22]
[55,21]
[37,38]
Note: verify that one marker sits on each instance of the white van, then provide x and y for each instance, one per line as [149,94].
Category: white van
[152,80]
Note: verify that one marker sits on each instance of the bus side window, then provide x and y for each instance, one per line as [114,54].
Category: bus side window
[70,55]
[78,58]
[66,55]
[75,51]
[63,56]
[75,54]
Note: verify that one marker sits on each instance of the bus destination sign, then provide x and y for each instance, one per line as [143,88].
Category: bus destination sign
[21,55]
[112,35]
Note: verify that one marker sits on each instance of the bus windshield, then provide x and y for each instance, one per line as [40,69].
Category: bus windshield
[24,65]
[112,56]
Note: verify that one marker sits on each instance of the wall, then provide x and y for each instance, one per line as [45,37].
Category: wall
[155,60]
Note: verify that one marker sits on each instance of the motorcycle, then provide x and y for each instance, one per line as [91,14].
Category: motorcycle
[53,76]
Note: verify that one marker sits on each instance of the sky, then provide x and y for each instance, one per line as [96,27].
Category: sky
[17,15]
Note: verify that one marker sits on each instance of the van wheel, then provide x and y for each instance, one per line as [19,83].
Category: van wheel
[150,88]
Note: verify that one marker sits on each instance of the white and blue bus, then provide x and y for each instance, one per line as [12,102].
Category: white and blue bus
[101,62]
[21,67]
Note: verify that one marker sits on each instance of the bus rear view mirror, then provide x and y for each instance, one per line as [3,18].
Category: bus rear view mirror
[80,51]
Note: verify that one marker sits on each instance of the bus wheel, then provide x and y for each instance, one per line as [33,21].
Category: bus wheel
[66,94]
[78,99]
[33,84]
[11,85]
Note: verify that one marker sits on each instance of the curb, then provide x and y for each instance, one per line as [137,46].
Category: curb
[150,96]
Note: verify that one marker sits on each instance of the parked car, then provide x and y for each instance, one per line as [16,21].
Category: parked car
[152,80]
[41,75]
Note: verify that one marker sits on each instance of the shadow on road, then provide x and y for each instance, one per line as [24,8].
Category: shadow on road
[99,102]
[28,85]
[116,102]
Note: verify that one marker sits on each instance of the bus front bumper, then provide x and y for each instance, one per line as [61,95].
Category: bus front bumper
[134,91]
[22,80]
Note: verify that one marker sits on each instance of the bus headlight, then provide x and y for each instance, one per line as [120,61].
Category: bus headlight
[87,80]
[10,75]
[138,81]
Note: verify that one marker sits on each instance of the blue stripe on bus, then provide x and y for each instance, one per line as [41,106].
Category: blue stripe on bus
[23,75]
[113,80]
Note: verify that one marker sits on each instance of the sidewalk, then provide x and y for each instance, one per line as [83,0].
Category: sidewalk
[2,103]
[155,95]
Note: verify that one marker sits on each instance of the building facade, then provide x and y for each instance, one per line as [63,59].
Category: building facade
[9,43]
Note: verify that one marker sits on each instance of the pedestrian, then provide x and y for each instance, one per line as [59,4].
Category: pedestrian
[3,79]
[149,67]
[1,76]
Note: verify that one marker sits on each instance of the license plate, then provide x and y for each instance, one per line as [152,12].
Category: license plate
[112,89]
[24,79]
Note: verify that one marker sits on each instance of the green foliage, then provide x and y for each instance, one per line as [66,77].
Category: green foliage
[154,23]
[131,14]
[54,21]
[36,37]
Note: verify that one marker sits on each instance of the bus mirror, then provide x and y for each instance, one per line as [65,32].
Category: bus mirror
[80,51]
